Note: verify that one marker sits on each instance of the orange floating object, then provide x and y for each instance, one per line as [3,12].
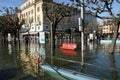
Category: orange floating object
[68,52]
[70,46]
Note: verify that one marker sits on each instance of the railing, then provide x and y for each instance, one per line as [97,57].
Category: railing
[103,73]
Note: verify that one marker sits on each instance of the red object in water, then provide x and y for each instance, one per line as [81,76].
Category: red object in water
[71,46]
[68,52]
[39,61]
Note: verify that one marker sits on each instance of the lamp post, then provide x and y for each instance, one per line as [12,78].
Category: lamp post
[81,28]
[82,31]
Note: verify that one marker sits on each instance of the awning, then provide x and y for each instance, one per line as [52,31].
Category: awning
[29,33]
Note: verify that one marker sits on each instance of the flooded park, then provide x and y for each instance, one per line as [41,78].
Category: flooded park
[19,62]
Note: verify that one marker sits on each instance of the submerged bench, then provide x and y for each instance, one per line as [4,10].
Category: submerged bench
[71,46]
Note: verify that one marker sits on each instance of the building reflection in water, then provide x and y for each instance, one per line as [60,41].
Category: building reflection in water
[9,48]
[98,63]
[42,51]
[28,60]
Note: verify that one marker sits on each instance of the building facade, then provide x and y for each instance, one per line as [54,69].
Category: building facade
[106,29]
[36,21]
[32,13]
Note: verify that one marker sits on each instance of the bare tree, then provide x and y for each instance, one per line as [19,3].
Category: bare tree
[97,8]
[10,22]
[55,13]
[91,27]
[3,28]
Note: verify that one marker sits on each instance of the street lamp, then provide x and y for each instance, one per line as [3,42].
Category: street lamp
[82,30]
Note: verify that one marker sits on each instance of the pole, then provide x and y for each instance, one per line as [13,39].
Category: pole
[51,33]
[35,16]
[82,31]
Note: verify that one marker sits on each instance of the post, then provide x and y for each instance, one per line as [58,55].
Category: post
[35,17]
[82,31]
[51,40]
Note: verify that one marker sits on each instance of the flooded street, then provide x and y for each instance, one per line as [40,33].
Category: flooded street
[96,61]
[21,63]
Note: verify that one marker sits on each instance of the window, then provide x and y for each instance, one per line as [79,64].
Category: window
[26,5]
[32,18]
[26,14]
[32,11]
[29,12]
[38,18]
[38,27]
[29,3]
[21,15]
[38,9]
[46,27]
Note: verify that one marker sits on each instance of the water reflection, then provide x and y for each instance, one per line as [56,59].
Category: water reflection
[108,61]
[27,49]
[92,47]
[97,61]
[20,64]
[42,50]
[8,60]
[9,48]
[69,52]
[114,73]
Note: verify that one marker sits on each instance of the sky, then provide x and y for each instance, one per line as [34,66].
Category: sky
[116,7]
[10,3]
[17,3]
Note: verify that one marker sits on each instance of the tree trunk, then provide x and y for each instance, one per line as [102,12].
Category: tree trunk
[18,38]
[4,37]
[111,50]
[54,38]
[53,34]
[15,35]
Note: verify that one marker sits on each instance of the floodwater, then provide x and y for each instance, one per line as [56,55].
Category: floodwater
[21,63]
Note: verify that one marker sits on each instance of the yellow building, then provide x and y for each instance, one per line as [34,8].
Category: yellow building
[106,28]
